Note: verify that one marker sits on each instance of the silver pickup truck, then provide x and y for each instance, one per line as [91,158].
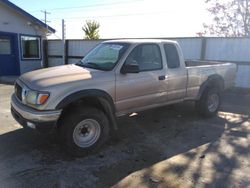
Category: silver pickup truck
[81,101]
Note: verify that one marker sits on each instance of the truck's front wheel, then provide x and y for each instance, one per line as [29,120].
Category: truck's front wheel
[209,103]
[84,131]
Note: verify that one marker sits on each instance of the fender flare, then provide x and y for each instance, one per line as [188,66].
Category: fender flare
[212,80]
[103,97]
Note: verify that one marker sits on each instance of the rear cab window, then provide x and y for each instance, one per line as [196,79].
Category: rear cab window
[172,56]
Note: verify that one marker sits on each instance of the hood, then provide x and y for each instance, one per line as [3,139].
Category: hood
[49,77]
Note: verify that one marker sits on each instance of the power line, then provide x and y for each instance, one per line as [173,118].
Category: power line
[89,6]
[115,15]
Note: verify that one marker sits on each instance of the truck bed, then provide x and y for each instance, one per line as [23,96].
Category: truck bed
[199,71]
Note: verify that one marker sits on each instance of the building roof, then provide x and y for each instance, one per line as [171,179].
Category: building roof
[26,14]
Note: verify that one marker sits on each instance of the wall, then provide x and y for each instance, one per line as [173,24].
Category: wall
[235,50]
[13,22]
[229,49]
[76,50]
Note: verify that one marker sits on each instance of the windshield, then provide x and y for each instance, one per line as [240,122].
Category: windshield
[104,56]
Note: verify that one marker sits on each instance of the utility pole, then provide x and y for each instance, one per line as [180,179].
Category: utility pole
[45,18]
[63,30]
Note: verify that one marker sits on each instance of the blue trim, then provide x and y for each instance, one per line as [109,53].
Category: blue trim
[21,49]
[15,49]
[23,12]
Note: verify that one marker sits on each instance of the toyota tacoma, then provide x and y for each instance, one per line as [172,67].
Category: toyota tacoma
[82,101]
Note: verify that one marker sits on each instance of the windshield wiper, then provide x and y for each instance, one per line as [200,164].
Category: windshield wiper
[91,65]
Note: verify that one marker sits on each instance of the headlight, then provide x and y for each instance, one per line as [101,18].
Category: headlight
[36,97]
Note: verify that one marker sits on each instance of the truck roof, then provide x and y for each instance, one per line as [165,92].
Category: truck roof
[142,41]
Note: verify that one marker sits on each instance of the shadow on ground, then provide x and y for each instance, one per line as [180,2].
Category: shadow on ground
[166,147]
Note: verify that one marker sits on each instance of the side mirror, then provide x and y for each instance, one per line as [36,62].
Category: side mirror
[130,68]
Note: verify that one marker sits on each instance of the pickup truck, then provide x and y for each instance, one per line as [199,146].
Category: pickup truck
[82,101]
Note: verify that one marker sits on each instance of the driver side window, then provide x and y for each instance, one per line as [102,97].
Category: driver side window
[147,56]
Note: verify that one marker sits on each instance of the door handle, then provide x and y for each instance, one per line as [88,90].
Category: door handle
[161,77]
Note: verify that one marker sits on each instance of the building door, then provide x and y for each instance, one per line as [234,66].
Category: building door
[9,62]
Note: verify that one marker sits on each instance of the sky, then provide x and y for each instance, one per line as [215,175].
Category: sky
[122,18]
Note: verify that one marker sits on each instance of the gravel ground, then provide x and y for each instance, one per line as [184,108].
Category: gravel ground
[165,147]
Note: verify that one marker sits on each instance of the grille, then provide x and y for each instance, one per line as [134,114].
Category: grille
[18,91]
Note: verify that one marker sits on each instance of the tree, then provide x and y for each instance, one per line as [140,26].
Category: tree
[91,30]
[231,18]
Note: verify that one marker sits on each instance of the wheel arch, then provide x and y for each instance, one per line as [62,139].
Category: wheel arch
[93,97]
[213,81]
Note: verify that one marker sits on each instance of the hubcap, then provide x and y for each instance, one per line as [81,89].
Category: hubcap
[86,133]
[213,102]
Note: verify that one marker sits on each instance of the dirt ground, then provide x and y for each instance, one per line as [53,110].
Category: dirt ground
[165,147]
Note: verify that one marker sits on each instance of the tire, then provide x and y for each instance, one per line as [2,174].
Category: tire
[209,103]
[84,131]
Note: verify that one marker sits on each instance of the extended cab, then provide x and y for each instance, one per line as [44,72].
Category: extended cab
[81,101]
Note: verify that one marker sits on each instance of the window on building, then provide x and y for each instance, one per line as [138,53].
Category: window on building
[5,48]
[172,56]
[30,47]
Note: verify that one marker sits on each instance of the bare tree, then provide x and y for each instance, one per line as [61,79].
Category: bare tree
[91,30]
[231,18]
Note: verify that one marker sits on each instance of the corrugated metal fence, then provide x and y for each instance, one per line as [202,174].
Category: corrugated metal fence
[235,50]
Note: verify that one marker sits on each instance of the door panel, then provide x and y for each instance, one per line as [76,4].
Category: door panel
[176,79]
[176,74]
[138,90]
[8,54]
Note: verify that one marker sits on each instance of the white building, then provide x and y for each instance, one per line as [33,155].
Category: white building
[21,40]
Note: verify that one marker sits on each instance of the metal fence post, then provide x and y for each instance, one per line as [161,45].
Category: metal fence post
[203,48]
[66,52]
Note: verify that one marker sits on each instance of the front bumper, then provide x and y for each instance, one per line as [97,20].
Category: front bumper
[43,121]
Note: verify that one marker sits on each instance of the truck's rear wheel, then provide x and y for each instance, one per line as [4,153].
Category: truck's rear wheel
[209,103]
[83,131]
